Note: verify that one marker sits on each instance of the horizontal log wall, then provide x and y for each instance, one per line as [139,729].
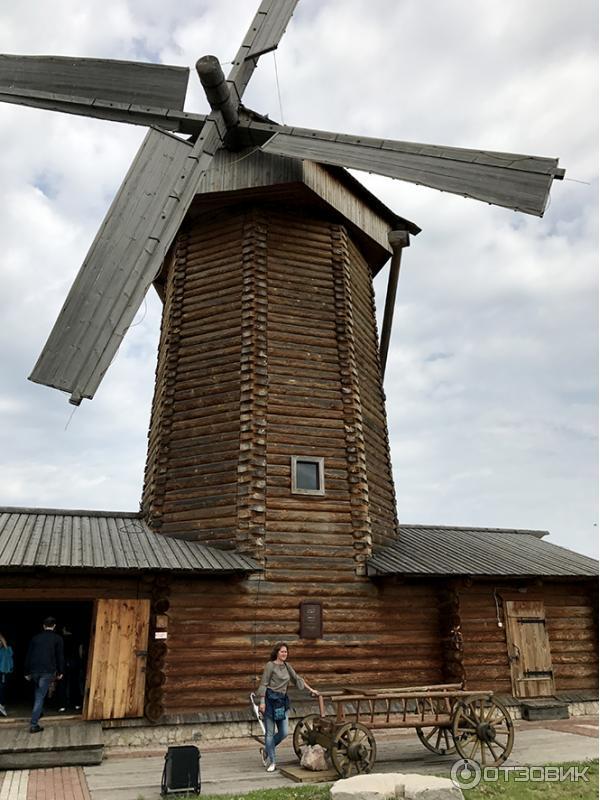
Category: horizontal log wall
[311,369]
[221,634]
[382,498]
[68,587]
[191,482]
[572,631]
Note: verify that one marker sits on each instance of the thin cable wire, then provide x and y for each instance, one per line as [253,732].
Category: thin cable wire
[71,416]
[574,180]
[246,155]
[278,89]
[135,324]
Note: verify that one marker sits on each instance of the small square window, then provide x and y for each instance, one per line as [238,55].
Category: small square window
[308,475]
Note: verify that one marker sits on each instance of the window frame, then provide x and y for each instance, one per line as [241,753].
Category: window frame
[320,462]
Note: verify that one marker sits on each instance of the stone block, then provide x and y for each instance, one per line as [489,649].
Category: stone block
[428,787]
[366,787]
[395,785]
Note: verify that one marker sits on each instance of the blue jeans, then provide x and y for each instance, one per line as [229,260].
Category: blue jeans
[272,739]
[41,682]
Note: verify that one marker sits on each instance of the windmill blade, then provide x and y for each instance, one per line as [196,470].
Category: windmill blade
[123,261]
[514,181]
[264,34]
[149,116]
[121,91]
[97,78]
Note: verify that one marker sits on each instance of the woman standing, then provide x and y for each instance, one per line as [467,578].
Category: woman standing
[274,702]
[6,667]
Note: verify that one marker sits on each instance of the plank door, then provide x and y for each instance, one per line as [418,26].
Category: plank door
[528,648]
[117,668]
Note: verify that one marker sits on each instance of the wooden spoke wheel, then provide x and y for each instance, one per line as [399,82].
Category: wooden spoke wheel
[438,740]
[353,750]
[304,733]
[483,730]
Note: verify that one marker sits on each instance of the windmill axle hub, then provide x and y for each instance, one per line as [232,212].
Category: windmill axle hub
[217,89]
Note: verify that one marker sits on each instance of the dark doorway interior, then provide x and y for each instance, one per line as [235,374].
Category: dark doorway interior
[19,621]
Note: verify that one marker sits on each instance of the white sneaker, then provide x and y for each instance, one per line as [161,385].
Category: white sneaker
[271,767]
[3,711]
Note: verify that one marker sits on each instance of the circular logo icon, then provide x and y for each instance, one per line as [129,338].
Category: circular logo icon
[466,773]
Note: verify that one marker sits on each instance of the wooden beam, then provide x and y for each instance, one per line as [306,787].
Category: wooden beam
[398,240]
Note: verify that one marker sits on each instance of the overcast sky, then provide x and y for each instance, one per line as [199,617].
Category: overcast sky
[492,375]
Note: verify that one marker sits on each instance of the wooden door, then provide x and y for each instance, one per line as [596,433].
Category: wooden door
[117,664]
[528,648]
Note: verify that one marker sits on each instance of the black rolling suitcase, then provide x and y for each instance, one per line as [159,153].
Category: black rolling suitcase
[181,772]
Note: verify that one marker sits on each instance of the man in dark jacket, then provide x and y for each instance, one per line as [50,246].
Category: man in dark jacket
[45,661]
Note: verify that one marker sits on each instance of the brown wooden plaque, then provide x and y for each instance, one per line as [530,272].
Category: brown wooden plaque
[311,619]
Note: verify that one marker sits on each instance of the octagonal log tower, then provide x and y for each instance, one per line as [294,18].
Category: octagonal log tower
[269,351]
[268,356]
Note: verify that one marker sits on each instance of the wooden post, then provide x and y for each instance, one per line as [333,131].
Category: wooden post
[398,240]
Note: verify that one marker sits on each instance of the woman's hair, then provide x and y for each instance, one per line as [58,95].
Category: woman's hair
[3,642]
[277,648]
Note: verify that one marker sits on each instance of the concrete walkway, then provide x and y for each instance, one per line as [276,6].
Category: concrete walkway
[233,766]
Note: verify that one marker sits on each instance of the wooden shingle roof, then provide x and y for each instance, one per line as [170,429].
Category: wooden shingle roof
[100,541]
[437,550]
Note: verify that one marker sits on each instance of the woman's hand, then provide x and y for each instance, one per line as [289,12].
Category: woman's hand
[261,709]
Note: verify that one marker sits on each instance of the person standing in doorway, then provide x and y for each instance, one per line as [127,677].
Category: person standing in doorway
[45,662]
[67,692]
[6,667]
[273,700]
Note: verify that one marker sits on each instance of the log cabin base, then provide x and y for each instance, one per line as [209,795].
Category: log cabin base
[239,724]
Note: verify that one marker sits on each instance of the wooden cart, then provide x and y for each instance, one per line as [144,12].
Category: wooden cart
[447,719]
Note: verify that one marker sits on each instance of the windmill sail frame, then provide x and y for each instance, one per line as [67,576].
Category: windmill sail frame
[152,202]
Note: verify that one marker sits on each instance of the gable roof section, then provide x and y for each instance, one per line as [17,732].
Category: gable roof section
[435,550]
[100,541]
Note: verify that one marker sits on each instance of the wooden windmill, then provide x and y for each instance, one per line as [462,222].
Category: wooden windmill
[269,380]
[268,432]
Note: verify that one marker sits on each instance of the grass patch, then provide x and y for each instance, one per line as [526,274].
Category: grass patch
[284,793]
[502,790]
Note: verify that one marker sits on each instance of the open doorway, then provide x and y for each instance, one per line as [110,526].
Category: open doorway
[19,621]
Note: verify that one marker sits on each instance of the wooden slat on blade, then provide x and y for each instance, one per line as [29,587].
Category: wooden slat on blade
[264,34]
[123,261]
[512,181]
[269,26]
[165,118]
[105,79]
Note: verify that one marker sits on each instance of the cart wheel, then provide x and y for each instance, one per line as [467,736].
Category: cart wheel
[438,740]
[304,733]
[482,730]
[353,749]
